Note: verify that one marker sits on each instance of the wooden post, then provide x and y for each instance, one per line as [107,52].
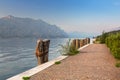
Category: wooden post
[74,43]
[39,51]
[46,50]
[77,43]
[81,42]
[42,50]
[85,41]
[88,40]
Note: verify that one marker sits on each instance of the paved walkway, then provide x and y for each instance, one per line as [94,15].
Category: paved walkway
[93,63]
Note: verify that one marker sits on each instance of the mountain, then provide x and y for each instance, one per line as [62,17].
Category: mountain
[11,27]
[80,35]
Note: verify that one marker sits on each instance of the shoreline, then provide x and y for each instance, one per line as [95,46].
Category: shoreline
[39,68]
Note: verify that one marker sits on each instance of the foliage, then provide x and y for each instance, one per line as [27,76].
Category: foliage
[26,78]
[117,64]
[57,62]
[68,49]
[103,37]
[112,40]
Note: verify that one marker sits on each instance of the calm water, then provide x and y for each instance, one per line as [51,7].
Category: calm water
[17,55]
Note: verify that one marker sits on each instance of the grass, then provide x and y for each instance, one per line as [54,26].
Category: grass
[68,49]
[26,78]
[117,64]
[57,62]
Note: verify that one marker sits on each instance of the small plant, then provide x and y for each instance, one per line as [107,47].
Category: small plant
[26,78]
[57,62]
[68,49]
[117,64]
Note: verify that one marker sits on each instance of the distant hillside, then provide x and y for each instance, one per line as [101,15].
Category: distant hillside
[11,26]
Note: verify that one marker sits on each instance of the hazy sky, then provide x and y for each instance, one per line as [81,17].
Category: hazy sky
[71,15]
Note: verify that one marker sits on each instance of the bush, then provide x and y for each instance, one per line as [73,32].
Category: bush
[113,42]
[26,78]
[103,37]
[57,62]
[117,64]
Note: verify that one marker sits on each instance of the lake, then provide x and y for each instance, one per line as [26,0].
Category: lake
[18,55]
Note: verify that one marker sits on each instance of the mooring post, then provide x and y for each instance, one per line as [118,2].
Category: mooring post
[46,50]
[42,50]
[39,51]
[81,42]
[74,43]
[88,40]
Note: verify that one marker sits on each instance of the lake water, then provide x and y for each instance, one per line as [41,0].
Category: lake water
[18,55]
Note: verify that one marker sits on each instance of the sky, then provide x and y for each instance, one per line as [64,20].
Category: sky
[91,16]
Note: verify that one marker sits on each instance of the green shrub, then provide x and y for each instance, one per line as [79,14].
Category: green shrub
[26,78]
[117,64]
[103,37]
[57,62]
[112,40]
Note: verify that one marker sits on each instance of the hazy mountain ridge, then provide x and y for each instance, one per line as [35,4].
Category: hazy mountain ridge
[11,26]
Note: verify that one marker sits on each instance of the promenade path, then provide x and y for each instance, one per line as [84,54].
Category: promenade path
[93,63]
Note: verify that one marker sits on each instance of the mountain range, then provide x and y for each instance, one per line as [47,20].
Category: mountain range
[11,27]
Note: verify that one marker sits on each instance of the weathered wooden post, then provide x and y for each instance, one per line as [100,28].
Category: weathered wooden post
[42,50]
[80,43]
[45,50]
[88,40]
[74,43]
[77,43]
[85,41]
[39,51]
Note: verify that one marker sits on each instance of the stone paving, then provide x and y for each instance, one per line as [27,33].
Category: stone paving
[93,63]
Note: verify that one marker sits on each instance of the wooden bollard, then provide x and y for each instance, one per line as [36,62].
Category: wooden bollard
[74,43]
[42,50]
[88,40]
[45,50]
[77,43]
[81,43]
[39,51]
[85,41]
